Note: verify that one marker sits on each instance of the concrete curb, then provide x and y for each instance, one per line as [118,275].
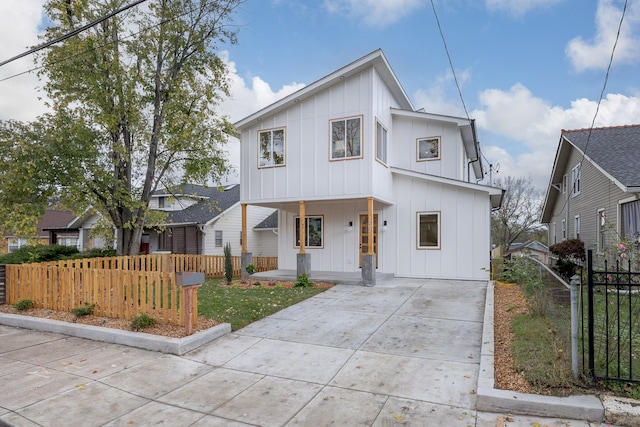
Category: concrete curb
[490,399]
[178,346]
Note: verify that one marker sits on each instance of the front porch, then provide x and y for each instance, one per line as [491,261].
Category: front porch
[343,278]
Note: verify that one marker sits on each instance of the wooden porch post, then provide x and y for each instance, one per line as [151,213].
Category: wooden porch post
[244,228]
[370,225]
[303,229]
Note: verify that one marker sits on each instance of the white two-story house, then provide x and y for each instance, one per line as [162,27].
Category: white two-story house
[380,186]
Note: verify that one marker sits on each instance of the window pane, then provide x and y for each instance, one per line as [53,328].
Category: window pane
[265,149]
[314,228]
[278,147]
[353,138]
[428,230]
[428,148]
[337,140]
[381,143]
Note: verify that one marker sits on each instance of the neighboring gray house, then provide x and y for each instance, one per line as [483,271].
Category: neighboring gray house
[594,191]
[201,220]
[531,248]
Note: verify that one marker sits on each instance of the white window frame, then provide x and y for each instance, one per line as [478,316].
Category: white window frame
[335,133]
[601,222]
[575,180]
[555,233]
[308,223]
[576,226]
[564,230]
[15,244]
[381,143]
[424,153]
[218,238]
[268,158]
[419,229]
[565,180]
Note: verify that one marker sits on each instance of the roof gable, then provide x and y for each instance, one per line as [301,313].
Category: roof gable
[375,59]
[213,203]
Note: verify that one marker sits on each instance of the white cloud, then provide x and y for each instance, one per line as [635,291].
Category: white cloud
[597,52]
[518,7]
[19,23]
[442,97]
[532,126]
[375,13]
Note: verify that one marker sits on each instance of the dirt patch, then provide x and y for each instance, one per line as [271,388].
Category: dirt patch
[509,301]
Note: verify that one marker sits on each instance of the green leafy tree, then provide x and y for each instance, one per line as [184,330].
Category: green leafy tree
[133,108]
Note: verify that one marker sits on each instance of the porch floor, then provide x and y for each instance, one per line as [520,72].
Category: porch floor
[343,278]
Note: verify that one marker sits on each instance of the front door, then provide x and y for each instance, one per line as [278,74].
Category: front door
[364,237]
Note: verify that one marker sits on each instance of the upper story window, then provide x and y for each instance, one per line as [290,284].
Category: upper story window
[428,148]
[575,180]
[271,148]
[564,184]
[161,202]
[381,143]
[346,138]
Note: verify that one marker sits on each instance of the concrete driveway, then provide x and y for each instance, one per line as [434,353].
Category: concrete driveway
[405,352]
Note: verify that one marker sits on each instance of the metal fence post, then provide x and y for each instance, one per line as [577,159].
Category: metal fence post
[574,324]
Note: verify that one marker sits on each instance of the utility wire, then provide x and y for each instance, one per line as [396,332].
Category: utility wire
[593,121]
[455,77]
[72,33]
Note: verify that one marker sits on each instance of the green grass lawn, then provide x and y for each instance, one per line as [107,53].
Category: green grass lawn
[240,307]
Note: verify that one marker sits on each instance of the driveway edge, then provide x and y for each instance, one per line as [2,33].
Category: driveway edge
[177,346]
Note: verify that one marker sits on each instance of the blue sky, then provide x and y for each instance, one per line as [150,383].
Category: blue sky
[527,68]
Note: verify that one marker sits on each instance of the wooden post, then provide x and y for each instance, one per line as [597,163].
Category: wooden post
[190,300]
[244,228]
[303,228]
[370,225]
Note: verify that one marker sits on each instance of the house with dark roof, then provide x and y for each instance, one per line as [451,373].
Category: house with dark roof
[202,220]
[53,219]
[594,190]
[530,248]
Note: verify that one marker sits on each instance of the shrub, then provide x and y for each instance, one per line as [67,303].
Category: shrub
[568,252]
[303,281]
[86,310]
[143,321]
[38,253]
[23,304]
[228,263]
[251,268]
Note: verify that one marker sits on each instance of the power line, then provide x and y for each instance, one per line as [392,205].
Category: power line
[455,77]
[72,33]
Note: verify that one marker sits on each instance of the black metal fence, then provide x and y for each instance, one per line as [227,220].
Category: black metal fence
[613,321]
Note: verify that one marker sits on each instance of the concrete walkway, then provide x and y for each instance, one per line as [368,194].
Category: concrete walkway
[405,352]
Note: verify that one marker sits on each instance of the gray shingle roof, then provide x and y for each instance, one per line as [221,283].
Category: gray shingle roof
[214,202]
[614,149]
[270,222]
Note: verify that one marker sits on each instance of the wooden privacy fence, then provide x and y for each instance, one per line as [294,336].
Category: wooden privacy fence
[120,287]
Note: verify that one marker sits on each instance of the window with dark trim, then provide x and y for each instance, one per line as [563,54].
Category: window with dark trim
[218,235]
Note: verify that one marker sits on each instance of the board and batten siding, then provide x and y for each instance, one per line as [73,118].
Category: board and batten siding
[230,223]
[407,130]
[308,172]
[464,230]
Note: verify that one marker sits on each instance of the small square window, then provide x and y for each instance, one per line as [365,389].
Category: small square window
[346,138]
[428,148]
[271,148]
[218,235]
[428,230]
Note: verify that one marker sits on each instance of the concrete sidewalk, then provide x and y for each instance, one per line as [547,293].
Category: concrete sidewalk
[405,352]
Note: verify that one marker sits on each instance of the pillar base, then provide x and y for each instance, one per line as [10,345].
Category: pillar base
[246,259]
[368,269]
[303,265]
